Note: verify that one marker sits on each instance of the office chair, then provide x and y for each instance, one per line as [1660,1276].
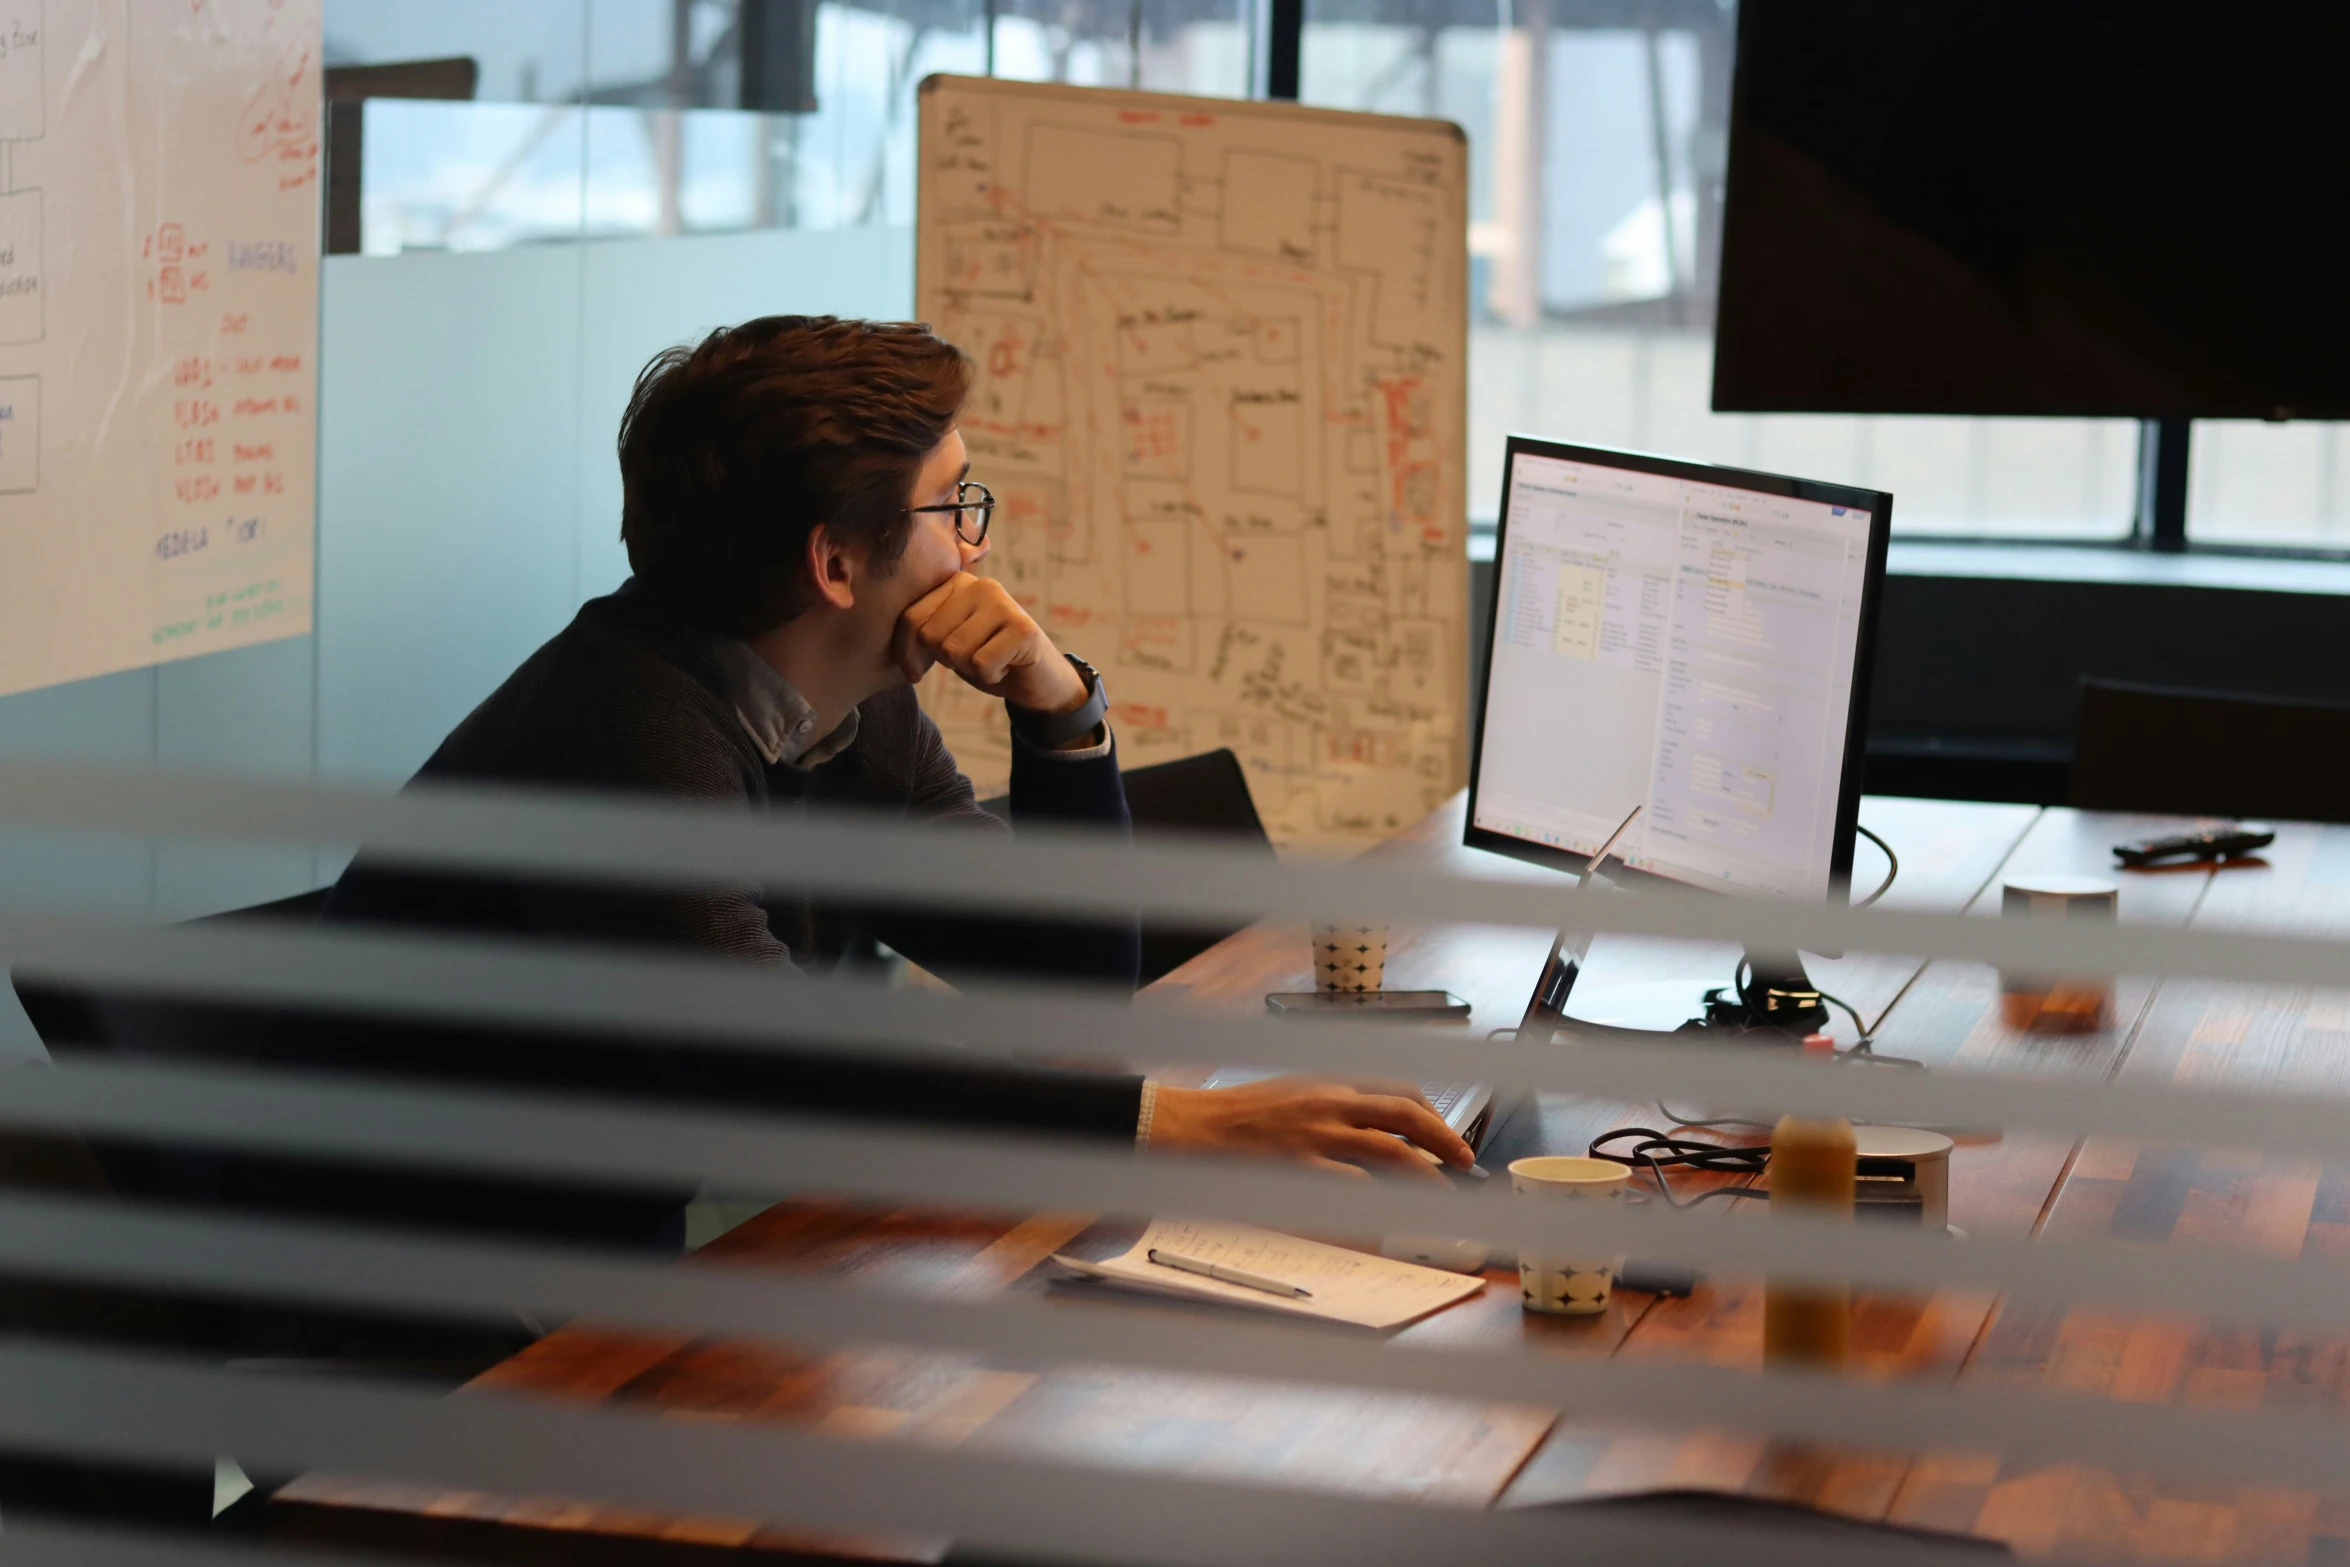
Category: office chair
[2166,750]
[75,1020]
[1777,1529]
[1206,794]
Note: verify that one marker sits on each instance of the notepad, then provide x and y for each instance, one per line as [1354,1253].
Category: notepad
[1357,1287]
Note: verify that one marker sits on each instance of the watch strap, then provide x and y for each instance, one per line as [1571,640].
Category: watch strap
[1049,730]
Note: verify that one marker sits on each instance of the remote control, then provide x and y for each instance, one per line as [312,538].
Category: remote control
[2219,843]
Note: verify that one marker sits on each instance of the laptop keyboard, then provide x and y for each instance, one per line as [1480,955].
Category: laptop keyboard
[1442,1097]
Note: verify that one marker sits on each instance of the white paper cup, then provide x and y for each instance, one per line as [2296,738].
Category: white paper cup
[1568,1286]
[1350,959]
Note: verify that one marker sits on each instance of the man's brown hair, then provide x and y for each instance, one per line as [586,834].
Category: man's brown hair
[733,450]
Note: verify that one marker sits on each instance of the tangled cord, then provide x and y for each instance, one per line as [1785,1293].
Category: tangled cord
[1685,1153]
[1862,1052]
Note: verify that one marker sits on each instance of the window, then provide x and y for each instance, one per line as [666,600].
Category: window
[1596,187]
[2275,484]
[607,118]
[1596,190]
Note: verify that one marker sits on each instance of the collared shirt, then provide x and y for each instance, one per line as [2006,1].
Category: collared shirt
[783,726]
[776,717]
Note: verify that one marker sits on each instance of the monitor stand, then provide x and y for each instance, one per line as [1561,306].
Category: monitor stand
[1776,998]
[1773,994]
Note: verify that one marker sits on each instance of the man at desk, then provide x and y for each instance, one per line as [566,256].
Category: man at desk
[803,530]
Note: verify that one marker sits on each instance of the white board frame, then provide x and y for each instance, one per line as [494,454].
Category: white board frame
[1291,572]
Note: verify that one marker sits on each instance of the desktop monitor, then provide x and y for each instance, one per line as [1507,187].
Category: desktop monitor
[1685,638]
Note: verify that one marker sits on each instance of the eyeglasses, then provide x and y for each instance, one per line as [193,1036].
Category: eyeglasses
[972,501]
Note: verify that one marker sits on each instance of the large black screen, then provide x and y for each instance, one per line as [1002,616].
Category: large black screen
[2131,208]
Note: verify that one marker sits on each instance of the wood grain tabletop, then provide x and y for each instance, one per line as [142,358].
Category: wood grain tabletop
[1945,1015]
[2188,1032]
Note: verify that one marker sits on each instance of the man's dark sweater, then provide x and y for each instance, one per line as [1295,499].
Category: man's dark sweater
[628,698]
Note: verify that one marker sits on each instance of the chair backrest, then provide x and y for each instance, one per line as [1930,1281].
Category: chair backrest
[2210,753]
[1207,793]
[73,1019]
[1778,1527]
[70,1017]
[301,906]
[1203,793]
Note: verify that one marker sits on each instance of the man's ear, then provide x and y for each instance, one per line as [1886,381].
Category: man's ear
[835,568]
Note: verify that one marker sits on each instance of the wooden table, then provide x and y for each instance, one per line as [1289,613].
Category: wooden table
[1953,856]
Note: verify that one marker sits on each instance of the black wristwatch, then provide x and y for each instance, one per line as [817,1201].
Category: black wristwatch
[1050,730]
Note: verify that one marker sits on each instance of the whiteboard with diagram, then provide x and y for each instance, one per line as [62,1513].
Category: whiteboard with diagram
[1222,399]
[159,242]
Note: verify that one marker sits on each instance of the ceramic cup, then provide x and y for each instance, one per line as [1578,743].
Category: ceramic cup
[2053,1004]
[1350,959]
[1569,1286]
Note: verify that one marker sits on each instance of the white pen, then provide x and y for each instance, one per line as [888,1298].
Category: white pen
[1239,1276]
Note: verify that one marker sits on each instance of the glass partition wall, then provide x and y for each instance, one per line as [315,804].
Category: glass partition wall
[606,119]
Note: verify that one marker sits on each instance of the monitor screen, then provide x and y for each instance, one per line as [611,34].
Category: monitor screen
[2075,207]
[1689,639]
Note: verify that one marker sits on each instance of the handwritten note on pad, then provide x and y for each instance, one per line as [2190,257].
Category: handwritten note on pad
[1348,1286]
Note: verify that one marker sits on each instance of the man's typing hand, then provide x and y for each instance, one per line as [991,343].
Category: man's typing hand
[1328,1125]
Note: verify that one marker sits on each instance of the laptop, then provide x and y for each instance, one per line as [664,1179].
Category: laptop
[1467,1107]
[1546,1009]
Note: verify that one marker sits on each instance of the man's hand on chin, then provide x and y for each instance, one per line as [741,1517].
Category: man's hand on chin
[976,628]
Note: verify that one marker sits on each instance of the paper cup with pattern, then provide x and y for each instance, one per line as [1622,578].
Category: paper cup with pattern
[1350,959]
[1568,1286]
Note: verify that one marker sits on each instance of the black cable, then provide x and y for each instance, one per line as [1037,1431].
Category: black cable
[1864,1044]
[1687,1153]
[1721,1158]
[1865,1054]
[1892,866]
[1707,1122]
[1739,980]
[1862,1053]
[1860,1029]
